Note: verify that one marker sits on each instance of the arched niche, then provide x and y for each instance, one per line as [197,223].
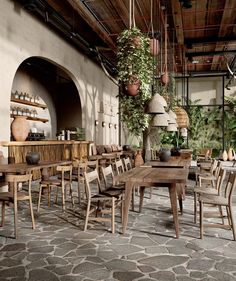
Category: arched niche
[55,87]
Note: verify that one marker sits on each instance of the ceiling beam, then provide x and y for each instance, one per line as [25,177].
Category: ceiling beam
[194,41]
[80,8]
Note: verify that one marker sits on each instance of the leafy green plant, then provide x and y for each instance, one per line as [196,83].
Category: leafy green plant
[134,63]
[230,123]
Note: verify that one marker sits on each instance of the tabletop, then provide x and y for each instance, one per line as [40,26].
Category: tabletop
[23,167]
[173,162]
[146,174]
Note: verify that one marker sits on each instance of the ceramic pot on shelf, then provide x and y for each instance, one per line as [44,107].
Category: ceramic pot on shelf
[230,154]
[138,161]
[20,128]
[32,158]
[225,155]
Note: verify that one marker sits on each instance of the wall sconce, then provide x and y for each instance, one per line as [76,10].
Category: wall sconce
[115,126]
[96,122]
[103,123]
[110,125]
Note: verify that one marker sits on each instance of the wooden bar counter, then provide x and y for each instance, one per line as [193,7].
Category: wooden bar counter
[48,149]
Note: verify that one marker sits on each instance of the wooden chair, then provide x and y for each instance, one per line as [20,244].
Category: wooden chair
[127,164]
[221,200]
[119,166]
[15,196]
[59,183]
[98,202]
[216,190]
[208,176]
[79,167]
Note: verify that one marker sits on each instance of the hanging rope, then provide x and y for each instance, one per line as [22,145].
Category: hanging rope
[131,14]
[165,66]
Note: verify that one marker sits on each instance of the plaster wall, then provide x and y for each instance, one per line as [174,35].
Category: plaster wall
[208,90]
[23,36]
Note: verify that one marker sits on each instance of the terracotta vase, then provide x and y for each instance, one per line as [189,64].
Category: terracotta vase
[133,88]
[230,154]
[138,161]
[154,47]
[225,155]
[20,128]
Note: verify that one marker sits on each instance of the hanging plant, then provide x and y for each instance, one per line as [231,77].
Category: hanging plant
[135,66]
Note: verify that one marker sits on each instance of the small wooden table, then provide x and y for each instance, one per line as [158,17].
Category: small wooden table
[146,176]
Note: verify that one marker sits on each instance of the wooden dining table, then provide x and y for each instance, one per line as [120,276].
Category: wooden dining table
[148,176]
[22,168]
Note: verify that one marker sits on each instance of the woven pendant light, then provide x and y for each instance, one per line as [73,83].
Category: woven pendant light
[182,117]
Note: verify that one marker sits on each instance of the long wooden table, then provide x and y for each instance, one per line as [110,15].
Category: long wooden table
[21,168]
[148,176]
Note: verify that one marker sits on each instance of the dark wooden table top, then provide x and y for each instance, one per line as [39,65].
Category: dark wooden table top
[24,167]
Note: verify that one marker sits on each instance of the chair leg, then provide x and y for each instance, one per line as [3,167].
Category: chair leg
[31,212]
[195,207]
[230,213]
[113,215]
[3,213]
[79,195]
[63,197]
[87,216]
[71,195]
[201,218]
[15,218]
[39,200]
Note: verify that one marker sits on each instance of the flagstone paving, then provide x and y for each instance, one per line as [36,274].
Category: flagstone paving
[59,250]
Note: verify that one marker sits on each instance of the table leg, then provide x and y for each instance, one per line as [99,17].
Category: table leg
[128,193]
[173,201]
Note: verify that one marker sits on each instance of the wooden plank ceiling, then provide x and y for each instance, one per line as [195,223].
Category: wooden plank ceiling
[201,38]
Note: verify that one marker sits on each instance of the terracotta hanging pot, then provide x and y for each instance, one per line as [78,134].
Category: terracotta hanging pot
[154,46]
[137,41]
[20,128]
[132,87]
[165,78]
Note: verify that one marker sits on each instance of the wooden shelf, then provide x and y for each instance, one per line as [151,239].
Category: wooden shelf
[29,103]
[33,118]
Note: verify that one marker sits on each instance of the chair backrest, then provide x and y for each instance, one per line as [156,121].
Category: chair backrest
[214,166]
[220,179]
[230,186]
[16,179]
[92,164]
[217,169]
[91,177]
[63,169]
[108,176]
[119,166]
[127,164]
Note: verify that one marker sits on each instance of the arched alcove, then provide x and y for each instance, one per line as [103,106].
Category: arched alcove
[54,87]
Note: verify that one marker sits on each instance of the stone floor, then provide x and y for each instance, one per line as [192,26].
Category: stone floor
[58,249]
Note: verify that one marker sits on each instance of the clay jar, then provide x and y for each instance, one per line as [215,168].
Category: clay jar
[32,158]
[138,161]
[20,128]
[164,155]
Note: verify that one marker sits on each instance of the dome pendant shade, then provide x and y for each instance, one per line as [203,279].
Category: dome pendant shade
[154,108]
[156,105]
[172,128]
[172,120]
[172,114]
[160,120]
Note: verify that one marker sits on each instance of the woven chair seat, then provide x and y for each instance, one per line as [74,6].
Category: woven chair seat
[214,199]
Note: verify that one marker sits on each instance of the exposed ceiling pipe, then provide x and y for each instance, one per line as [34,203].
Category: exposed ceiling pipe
[40,7]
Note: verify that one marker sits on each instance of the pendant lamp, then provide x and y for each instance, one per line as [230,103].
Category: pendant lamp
[156,105]
[172,128]
[160,120]
[182,117]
